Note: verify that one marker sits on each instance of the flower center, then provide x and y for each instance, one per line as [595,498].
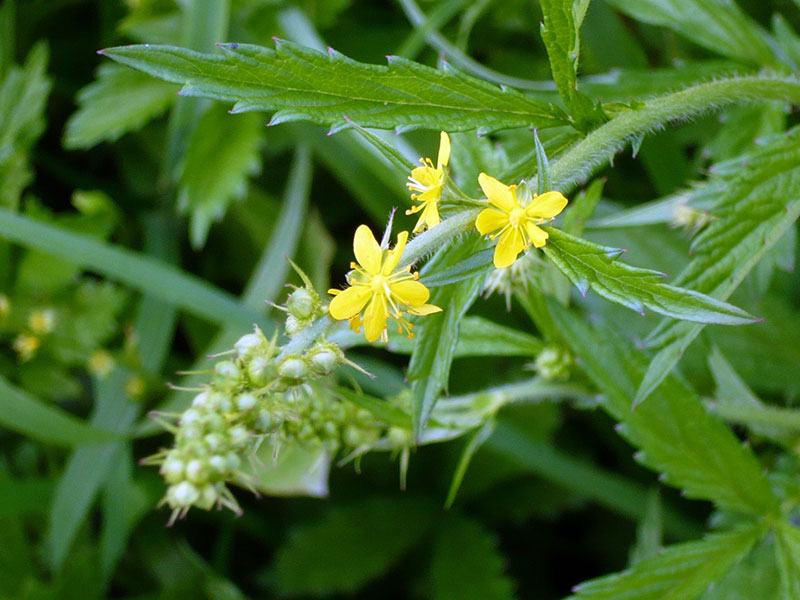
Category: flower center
[516,216]
[378,282]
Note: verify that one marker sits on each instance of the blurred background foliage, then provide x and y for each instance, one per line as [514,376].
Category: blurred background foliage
[91,333]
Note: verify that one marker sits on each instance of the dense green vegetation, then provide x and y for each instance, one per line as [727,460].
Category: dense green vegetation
[611,414]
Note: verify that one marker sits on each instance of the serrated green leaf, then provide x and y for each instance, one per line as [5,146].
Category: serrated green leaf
[118,101]
[589,265]
[560,34]
[303,84]
[754,577]
[755,206]
[676,434]
[231,144]
[718,25]
[466,564]
[351,545]
[23,96]
[787,546]
[681,572]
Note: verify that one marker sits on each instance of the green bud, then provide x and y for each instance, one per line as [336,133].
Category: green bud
[553,363]
[196,471]
[182,494]
[208,497]
[400,437]
[172,470]
[245,402]
[226,373]
[324,359]
[218,463]
[302,303]
[293,368]
[293,325]
[248,344]
[261,370]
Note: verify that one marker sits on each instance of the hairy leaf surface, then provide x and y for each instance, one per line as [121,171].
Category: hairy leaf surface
[589,265]
[303,84]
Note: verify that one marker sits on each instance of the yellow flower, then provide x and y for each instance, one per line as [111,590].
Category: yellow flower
[515,223]
[429,182]
[375,281]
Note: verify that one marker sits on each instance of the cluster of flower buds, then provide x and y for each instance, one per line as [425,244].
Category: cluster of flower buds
[259,392]
[554,363]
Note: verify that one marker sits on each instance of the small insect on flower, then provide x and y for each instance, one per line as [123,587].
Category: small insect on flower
[429,182]
[514,220]
[376,280]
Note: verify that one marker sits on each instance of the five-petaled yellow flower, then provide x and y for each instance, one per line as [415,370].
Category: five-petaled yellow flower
[429,182]
[515,223]
[374,280]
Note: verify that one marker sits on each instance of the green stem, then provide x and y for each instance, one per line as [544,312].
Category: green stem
[597,148]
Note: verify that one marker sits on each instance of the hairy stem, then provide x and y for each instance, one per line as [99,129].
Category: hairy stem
[597,148]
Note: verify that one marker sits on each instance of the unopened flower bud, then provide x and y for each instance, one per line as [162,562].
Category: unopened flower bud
[293,325]
[208,497]
[201,400]
[172,470]
[226,373]
[553,363]
[218,463]
[183,494]
[323,360]
[247,344]
[246,402]
[293,368]
[261,371]
[190,416]
[196,472]
[302,304]
[238,435]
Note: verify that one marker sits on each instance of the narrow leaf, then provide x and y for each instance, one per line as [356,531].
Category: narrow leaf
[474,442]
[303,84]
[787,547]
[46,423]
[718,25]
[146,274]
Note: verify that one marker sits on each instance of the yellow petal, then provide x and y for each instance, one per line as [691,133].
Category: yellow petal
[491,219]
[395,254]
[429,218]
[427,176]
[368,252]
[499,194]
[425,309]
[546,206]
[508,248]
[536,234]
[375,318]
[349,303]
[410,292]
[444,150]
